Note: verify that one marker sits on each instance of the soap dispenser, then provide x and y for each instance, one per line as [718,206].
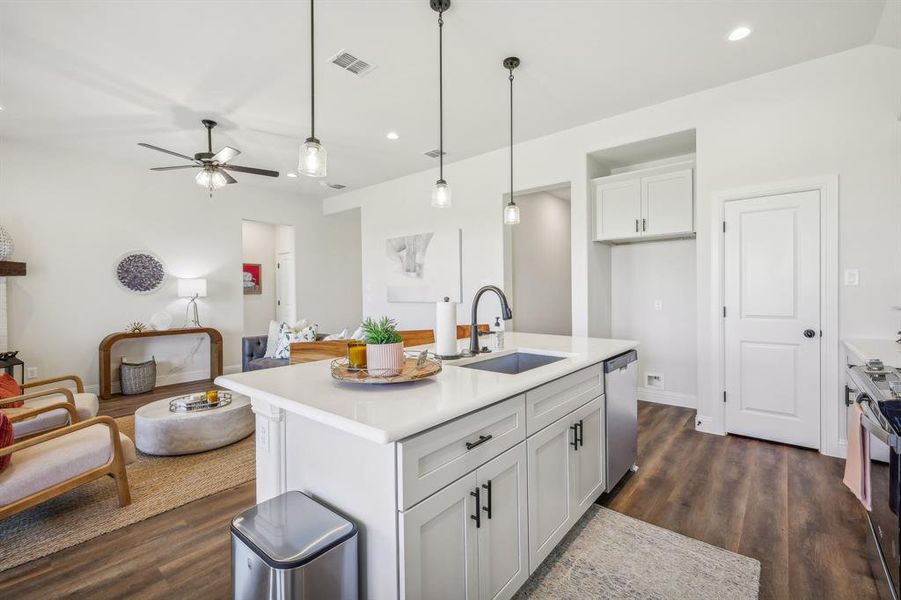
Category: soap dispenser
[498,330]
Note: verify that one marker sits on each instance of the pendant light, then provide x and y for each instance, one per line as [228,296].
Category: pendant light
[313,157]
[511,211]
[441,192]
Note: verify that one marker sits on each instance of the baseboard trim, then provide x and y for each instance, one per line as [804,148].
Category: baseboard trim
[671,398]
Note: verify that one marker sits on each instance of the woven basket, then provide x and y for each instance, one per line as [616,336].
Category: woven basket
[137,378]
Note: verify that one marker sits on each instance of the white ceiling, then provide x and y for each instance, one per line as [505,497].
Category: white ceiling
[97,77]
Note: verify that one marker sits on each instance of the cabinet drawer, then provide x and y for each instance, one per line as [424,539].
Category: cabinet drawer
[553,400]
[431,460]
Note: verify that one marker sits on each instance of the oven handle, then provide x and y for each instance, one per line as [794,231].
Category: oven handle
[872,424]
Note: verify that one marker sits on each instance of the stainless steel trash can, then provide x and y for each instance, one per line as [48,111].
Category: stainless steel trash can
[292,547]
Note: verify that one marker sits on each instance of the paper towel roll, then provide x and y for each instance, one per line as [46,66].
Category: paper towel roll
[446,328]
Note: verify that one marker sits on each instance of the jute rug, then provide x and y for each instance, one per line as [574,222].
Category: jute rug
[610,555]
[157,484]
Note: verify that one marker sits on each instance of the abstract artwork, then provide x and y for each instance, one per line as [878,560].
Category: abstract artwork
[424,267]
[140,272]
[253,278]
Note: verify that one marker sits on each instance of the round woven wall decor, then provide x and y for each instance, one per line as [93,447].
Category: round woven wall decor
[140,272]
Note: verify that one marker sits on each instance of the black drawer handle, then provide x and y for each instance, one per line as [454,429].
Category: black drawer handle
[478,516]
[575,442]
[487,507]
[482,439]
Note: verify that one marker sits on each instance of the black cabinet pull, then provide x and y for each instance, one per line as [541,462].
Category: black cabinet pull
[579,432]
[636,225]
[478,516]
[575,442]
[482,439]
[644,224]
[487,507]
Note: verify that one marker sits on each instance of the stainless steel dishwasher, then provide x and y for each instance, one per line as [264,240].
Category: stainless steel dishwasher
[621,389]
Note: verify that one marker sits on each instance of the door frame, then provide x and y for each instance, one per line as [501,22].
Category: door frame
[831,408]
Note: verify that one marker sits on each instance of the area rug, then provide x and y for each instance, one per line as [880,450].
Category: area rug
[157,484]
[610,555]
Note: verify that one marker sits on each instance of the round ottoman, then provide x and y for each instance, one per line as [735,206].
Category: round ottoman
[161,432]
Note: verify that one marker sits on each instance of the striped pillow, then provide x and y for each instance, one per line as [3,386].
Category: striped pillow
[10,388]
[6,439]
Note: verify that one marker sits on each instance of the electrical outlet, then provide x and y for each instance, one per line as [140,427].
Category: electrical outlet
[658,305]
[852,277]
[263,436]
[31,373]
[653,380]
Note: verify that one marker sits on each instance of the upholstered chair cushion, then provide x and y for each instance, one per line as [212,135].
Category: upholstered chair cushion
[86,405]
[6,439]
[54,461]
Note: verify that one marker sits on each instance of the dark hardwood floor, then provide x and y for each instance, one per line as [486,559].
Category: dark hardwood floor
[782,505]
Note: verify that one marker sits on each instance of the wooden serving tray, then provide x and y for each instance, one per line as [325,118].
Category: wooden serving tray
[342,371]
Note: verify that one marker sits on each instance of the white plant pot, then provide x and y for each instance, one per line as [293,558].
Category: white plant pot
[385,360]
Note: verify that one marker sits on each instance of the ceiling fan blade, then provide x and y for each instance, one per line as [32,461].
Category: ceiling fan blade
[176,167]
[228,178]
[252,170]
[158,149]
[225,155]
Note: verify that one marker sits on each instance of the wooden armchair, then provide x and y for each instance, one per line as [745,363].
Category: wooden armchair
[85,404]
[50,464]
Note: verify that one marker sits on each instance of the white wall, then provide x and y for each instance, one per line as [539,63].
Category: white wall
[542,282]
[833,115]
[72,217]
[259,247]
[642,274]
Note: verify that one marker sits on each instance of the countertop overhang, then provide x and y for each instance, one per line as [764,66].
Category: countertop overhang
[387,413]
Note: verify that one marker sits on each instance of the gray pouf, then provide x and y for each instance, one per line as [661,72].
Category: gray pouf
[161,432]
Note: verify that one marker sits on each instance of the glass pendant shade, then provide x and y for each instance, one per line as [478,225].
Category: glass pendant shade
[441,194]
[511,214]
[211,178]
[313,159]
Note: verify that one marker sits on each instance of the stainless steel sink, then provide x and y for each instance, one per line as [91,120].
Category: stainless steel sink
[513,364]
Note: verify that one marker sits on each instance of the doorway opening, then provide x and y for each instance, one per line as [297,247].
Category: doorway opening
[268,281]
[537,262]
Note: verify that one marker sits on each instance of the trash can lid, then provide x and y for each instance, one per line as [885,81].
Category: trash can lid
[290,530]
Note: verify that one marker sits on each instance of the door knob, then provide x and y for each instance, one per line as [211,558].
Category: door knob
[809,333]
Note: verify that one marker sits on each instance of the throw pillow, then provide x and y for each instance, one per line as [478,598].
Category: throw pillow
[6,439]
[288,336]
[10,388]
[272,338]
[336,336]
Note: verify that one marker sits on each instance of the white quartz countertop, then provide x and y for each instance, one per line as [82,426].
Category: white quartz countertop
[866,348]
[386,413]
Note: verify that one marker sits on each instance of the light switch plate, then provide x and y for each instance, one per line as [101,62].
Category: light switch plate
[852,277]
[31,373]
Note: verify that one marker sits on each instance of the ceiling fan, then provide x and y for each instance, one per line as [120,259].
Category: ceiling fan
[214,167]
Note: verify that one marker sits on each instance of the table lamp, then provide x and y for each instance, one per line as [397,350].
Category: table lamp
[193,289]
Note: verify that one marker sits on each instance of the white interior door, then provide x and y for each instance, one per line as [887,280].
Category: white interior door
[285,288]
[772,319]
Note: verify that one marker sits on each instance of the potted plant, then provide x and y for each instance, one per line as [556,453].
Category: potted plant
[384,347]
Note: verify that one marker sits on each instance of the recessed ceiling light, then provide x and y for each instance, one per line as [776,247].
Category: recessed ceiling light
[739,33]
[291,174]
[392,135]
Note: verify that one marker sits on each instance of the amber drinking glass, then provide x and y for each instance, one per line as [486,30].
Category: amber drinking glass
[356,354]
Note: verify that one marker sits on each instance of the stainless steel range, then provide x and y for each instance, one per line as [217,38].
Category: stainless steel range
[879,395]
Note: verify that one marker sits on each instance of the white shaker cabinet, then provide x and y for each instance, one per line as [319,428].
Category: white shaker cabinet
[648,204]
[588,461]
[439,549]
[470,539]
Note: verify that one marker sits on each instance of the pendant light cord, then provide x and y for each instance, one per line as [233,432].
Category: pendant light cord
[511,137]
[312,77]
[441,95]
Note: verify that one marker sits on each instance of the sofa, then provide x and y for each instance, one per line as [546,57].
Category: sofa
[253,353]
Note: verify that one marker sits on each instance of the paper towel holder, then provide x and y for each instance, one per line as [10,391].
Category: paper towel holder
[446,356]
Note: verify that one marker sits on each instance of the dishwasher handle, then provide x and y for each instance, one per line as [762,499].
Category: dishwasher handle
[620,361]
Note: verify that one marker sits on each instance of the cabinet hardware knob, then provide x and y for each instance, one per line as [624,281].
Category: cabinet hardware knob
[482,439]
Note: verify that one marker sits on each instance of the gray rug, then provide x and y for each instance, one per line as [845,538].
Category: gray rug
[610,555]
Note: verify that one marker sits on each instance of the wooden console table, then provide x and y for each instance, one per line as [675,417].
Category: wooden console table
[109,341]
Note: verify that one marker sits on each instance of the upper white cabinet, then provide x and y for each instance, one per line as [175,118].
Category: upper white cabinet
[648,204]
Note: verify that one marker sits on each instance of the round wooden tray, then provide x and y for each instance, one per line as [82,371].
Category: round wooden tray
[342,371]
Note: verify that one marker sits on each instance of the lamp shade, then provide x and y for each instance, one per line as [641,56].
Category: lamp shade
[188,288]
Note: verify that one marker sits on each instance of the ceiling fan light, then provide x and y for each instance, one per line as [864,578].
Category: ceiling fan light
[211,178]
[313,160]
[511,214]
[441,194]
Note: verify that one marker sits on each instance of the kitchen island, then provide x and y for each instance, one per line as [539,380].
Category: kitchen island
[460,484]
